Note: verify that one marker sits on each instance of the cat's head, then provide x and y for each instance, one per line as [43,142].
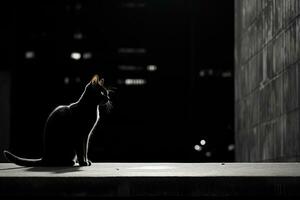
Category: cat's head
[97,91]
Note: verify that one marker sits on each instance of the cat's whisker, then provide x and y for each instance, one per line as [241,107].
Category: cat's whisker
[109,106]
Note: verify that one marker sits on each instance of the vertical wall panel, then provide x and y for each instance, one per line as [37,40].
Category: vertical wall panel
[4,112]
[267,35]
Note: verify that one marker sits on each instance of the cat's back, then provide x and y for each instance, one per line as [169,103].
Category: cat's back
[57,122]
[60,113]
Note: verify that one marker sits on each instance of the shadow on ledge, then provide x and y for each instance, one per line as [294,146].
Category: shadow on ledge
[55,170]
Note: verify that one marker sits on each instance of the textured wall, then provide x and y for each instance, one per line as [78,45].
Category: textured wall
[4,112]
[267,37]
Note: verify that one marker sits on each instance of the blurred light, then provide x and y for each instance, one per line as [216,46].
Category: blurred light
[120,82]
[197,147]
[210,72]
[78,36]
[44,34]
[208,154]
[66,80]
[77,80]
[226,74]
[75,55]
[231,147]
[129,68]
[78,6]
[202,142]
[202,73]
[135,81]
[68,7]
[133,5]
[132,50]
[151,68]
[129,5]
[87,55]
[29,54]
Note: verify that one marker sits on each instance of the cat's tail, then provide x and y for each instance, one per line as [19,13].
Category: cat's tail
[22,161]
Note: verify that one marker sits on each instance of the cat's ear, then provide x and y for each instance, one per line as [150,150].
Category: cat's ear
[95,79]
[101,82]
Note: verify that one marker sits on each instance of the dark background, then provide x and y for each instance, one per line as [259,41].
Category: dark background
[181,50]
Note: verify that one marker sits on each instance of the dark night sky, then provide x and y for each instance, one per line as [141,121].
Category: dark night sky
[182,50]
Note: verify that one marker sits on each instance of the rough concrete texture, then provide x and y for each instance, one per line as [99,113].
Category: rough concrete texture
[196,180]
[156,170]
[267,42]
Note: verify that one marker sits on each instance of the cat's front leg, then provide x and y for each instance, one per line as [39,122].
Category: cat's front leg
[82,160]
[85,163]
[81,151]
[86,148]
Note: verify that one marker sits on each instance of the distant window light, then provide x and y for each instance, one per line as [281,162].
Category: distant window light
[120,81]
[133,5]
[208,154]
[151,68]
[129,68]
[29,54]
[78,6]
[75,55]
[78,36]
[202,73]
[226,74]
[87,55]
[141,5]
[202,142]
[68,7]
[125,50]
[44,34]
[77,80]
[135,81]
[197,147]
[66,80]
[231,147]
[129,5]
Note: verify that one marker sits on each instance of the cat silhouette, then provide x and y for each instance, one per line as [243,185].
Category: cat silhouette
[68,129]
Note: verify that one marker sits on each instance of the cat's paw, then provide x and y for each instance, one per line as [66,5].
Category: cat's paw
[89,162]
[85,163]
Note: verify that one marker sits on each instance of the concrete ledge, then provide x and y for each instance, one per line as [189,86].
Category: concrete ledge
[211,180]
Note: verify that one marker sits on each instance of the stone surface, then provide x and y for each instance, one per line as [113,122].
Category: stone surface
[206,180]
[156,170]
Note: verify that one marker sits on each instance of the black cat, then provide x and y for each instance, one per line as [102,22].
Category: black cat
[68,129]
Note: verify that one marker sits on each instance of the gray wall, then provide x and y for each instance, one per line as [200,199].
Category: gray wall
[267,42]
[4,112]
